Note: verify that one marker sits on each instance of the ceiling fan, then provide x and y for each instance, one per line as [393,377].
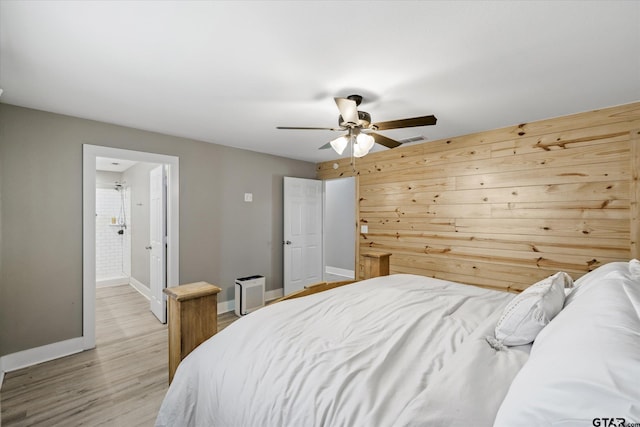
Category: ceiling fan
[360,131]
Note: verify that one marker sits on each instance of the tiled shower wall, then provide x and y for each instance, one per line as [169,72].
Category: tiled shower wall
[112,253]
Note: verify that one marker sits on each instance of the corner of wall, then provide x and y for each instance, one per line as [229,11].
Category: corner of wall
[635,194]
[1,374]
[2,298]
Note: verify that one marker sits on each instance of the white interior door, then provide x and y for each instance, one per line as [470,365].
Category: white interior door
[158,233]
[302,233]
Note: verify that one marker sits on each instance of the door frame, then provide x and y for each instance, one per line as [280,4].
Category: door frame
[89,155]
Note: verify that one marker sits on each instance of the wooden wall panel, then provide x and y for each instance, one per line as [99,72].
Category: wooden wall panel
[507,207]
[635,193]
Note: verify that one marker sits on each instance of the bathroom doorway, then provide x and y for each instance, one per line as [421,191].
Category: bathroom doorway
[122,223]
[119,222]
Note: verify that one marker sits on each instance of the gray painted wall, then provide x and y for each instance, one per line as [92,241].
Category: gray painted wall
[221,236]
[137,178]
[340,223]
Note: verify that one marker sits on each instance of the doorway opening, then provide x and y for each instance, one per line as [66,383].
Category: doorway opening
[320,231]
[340,229]
[119,220]
[123,223]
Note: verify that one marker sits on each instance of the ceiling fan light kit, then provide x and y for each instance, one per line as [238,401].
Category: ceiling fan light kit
[362,145]
[339,144]
[360,128]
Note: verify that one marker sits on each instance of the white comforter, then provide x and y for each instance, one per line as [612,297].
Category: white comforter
[358,355]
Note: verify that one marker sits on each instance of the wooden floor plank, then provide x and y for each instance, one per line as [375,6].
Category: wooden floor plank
[119,383]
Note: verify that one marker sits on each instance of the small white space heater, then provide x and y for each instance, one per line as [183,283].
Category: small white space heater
[249,294]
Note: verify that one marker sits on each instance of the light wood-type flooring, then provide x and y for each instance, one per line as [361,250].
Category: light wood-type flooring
[119,383]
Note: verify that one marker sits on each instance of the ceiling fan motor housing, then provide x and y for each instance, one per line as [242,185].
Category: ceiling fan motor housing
[364,120]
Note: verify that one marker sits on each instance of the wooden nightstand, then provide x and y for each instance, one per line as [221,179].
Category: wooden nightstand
[193,318]
[376,264]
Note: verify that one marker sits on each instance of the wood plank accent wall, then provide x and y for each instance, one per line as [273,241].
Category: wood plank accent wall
[507,207]
[635,193]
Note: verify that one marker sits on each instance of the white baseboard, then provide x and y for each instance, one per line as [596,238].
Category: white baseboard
[227,306]
[274,294]
[140,287]
[45,353]
[115,281]
[349,274]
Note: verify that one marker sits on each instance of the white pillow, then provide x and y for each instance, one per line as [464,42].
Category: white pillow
[583,283]
[530,311]
[568,287]
[585,365]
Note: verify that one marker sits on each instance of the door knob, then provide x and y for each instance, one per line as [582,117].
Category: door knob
[288,242]
[148,247]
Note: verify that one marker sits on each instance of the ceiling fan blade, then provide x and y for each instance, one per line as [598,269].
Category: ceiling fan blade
[306,128]
[348,110]
[325,146]
[383,140]
[406,123]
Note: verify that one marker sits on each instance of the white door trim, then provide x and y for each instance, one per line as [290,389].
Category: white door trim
[89,154]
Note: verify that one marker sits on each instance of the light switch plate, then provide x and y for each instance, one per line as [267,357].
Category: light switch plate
[248,197]
[364,229]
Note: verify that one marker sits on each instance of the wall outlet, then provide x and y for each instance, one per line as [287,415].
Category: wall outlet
[364,229]
[248,197]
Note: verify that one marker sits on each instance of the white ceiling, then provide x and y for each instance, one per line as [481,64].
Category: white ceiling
[113,165]
[230,72]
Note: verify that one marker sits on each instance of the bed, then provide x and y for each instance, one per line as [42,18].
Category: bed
[406,350]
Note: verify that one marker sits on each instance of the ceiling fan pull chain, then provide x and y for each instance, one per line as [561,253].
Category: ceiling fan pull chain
[353,157]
